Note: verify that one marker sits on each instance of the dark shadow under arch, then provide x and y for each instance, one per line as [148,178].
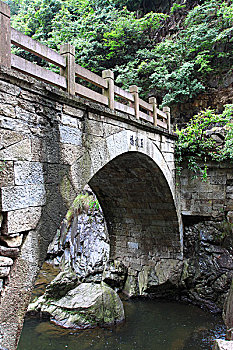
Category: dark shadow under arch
[139,210]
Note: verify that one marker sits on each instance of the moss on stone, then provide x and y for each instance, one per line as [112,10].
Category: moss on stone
[88,305]
[83,203]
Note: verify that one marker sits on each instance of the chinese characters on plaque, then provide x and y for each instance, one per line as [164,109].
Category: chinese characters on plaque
[136,141]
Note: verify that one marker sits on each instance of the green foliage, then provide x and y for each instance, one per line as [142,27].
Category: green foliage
[141,6]
[94,205]
[14,6]
[194,145]
[128,34]
[82,204]
[34,17]
[176,7]
[179,67]
[103,36]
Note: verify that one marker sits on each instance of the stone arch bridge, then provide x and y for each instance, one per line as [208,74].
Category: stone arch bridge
[52,143]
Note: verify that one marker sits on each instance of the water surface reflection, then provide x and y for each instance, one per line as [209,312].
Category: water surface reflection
[149,325]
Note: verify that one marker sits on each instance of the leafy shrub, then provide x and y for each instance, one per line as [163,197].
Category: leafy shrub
[178,68]
[194,146]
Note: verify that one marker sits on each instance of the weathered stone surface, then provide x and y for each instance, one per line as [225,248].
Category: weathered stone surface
[68,120]
[28,173]
[115,274]
[229,334]
[9,252]
[210,198]
[82,242]
[1,285]
[19,151]
[77,113]
[12,241]
[22,220]
[62,284]
[70,153]
[4,271]
[220,344]
[131,287]
[88,305]
[8,138]
[166,271]
[16,125]
[95,128]
[208,270]
[6,173]
[27,116]
[19,197]
[72,136]
[7,110]
[4,261]
[230,217]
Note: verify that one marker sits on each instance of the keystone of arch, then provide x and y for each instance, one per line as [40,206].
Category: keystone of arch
[107,149]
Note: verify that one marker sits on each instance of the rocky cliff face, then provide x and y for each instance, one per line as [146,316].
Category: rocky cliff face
[82,243]
[219,93]
[208,265]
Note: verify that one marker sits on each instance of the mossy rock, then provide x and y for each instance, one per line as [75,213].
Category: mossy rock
[86,306]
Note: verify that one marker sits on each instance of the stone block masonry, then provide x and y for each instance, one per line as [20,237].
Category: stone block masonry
[210,198]
[51,145]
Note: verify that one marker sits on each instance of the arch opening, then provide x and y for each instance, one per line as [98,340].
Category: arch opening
[139,210]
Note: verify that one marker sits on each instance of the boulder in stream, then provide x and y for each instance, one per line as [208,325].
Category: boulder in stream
[86,306]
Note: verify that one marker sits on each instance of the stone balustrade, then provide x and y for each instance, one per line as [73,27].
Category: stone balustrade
[111,94]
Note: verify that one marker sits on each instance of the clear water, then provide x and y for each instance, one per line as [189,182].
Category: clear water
[149,325]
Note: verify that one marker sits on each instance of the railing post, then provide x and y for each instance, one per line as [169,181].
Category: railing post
[133,89]
[5,35]
[167,110]
[68,51]
[153,103]
[108,75]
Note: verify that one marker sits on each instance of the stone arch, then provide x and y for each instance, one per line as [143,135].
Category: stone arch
[139,204]
[116,150]
[139,209]
[105,150]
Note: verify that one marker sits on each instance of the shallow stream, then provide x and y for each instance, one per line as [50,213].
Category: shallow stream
[149,325]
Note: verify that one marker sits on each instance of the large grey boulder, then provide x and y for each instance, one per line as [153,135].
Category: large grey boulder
[86,306]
